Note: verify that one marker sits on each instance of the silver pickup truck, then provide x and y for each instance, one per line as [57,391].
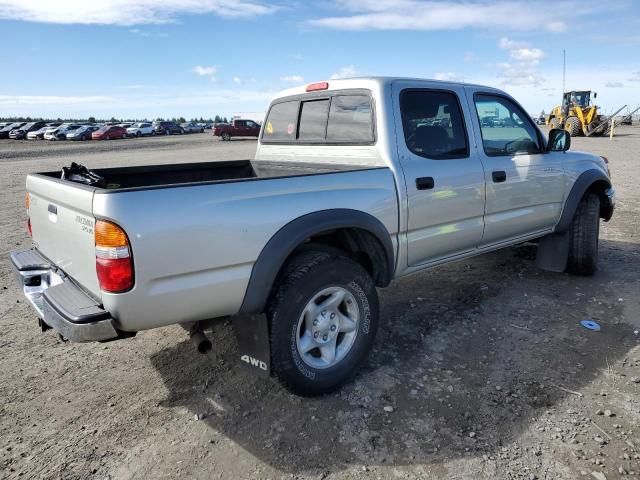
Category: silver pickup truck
[355,182]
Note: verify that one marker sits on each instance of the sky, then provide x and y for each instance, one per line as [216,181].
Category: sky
[193,58]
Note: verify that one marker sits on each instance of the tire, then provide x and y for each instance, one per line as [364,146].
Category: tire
[226,137]
[310,279]
[572,125]
[554,123]
[583,237]
[138,134]
[107,137]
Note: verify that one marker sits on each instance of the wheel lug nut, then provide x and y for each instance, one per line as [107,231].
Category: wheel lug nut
[315,323]
[324,312]
[324,337]
[333,315]
[315,335]
[333,328]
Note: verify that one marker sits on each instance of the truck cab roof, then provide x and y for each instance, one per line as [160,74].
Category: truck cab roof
[371,82]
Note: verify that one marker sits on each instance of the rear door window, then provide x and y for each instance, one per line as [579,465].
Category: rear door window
[281,122]
[350,119]
[433,124]
[313,120]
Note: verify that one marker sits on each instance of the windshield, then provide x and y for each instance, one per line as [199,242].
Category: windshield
[580,98]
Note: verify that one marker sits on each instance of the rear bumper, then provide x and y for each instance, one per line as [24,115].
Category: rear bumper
[59,302]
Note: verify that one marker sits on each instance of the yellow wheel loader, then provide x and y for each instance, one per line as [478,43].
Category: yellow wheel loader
[578,115]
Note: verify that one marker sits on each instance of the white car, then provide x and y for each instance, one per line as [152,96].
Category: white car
[39,134]
[140,129]
[60,133]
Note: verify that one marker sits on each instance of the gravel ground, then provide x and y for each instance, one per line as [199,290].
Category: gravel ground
[480,370]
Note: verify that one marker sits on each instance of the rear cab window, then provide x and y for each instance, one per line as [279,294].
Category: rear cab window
[334,118]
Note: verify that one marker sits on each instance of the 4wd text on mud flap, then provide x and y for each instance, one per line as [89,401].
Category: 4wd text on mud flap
[254,362]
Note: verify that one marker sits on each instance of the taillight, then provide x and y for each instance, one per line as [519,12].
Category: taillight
[114,265]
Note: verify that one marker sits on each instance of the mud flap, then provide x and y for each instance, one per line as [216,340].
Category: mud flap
[553,252]
[252,334]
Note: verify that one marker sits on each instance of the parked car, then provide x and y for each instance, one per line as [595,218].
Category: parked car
[237,128]
[295,254]
[140,129]
[39,134]
[109,132]
[4,132]
[190,127]
[21,133]
[83,133]
[487,122]
[60,133]
[167,128]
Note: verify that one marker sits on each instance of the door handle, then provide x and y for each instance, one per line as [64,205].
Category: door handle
[424,183]
[499,176]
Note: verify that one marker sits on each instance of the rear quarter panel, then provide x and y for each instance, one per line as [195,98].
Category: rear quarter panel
[194,247]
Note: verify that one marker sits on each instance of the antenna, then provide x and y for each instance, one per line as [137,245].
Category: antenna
[564,71]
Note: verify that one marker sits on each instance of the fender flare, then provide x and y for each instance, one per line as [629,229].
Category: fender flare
[580,186]
[292,235]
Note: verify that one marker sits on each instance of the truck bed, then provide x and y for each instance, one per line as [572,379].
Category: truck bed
[162,176]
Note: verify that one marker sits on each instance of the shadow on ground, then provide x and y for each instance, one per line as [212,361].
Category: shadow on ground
[467,356]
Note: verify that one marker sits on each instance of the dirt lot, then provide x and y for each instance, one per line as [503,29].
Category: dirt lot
[481,369]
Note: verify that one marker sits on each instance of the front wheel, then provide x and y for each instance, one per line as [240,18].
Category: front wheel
[583,237]
[323,320]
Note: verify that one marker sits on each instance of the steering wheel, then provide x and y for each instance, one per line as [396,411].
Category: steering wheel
[516,145]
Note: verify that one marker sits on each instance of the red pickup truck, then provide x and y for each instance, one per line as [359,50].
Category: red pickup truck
[237,128]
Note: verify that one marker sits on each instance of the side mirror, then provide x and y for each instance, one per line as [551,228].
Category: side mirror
[559,140]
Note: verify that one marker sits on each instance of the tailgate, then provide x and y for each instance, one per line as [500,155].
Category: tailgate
[62,225]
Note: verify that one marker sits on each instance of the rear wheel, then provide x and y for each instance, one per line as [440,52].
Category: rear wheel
[572,125]
[323,319]
[226,137]
[583,236]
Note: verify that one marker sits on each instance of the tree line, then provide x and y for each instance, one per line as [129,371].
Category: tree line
[216,119]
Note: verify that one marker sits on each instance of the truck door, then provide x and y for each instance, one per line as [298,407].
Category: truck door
[444,176]
[525,184]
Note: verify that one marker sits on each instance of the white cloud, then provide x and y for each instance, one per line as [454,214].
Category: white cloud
[17,100]
[345,72]
[448,76]
[527,54]
[635,77]
[237,80]
[144,34]
[524,71]
[516,15]
[126,12]
[204,71]
[614,85]
[557,26]
[292,79]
